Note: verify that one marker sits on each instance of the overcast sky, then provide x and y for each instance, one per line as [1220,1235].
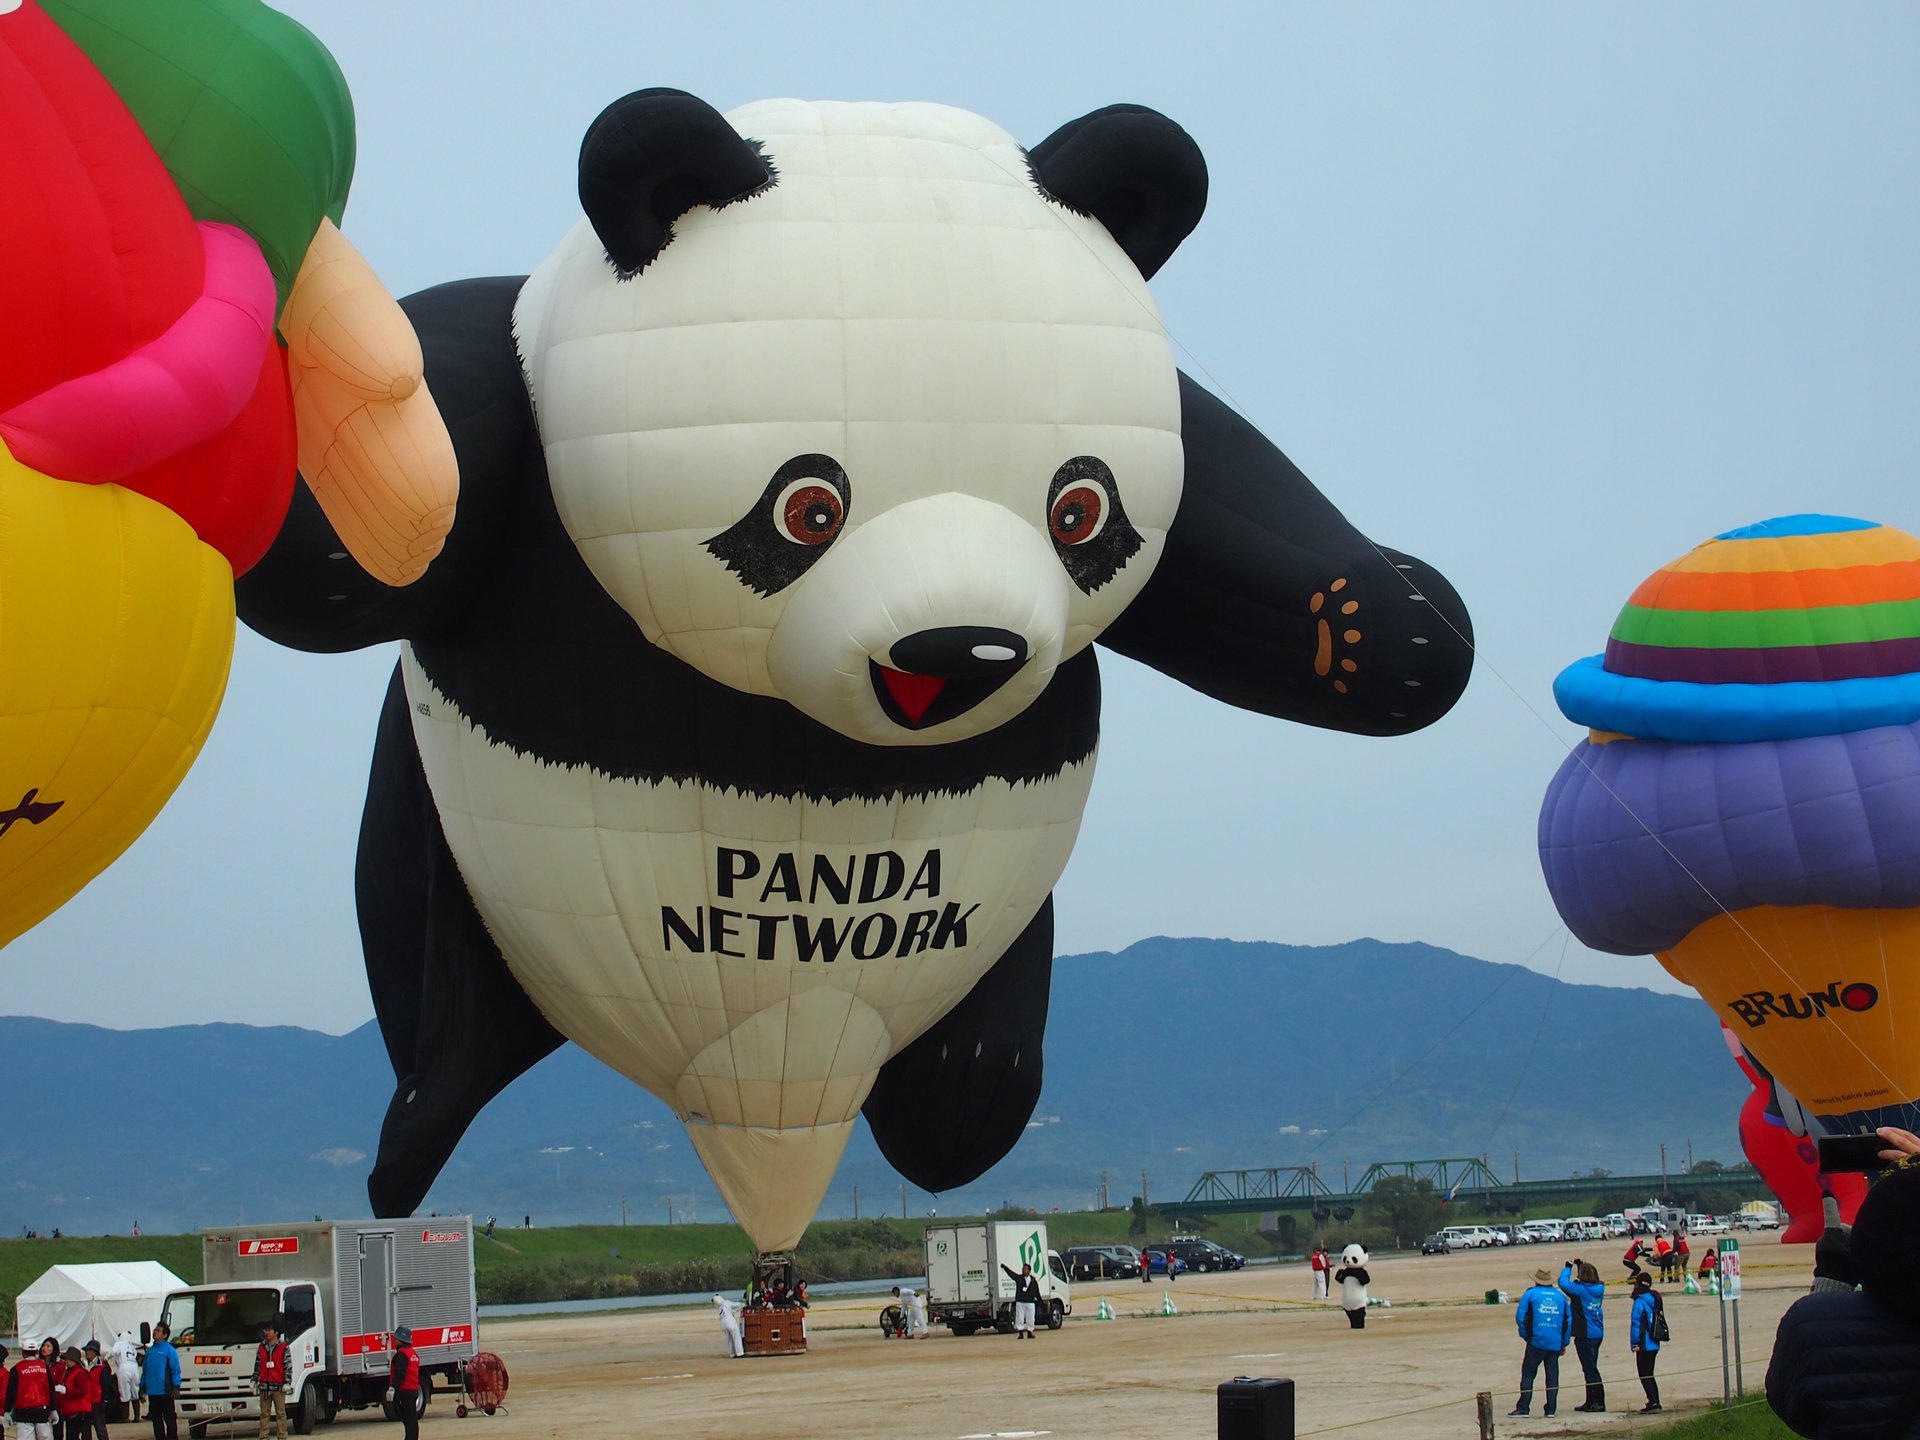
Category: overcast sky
[1544,294]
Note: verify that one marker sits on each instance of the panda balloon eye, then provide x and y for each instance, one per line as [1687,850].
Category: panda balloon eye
[798,515]
[808,512]
[1078,515]
[1087,523]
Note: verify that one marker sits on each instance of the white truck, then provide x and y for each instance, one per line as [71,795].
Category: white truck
[337,1289]
[966,1288]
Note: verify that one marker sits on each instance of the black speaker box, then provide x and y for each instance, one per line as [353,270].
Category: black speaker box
[1254,1409]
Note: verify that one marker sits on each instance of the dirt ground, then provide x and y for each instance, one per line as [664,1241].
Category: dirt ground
[1412,1372]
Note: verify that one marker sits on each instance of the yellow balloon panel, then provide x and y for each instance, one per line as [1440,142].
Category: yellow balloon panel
[116,634]
[1818,994]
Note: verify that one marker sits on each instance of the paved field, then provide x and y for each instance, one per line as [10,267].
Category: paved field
[1411,1373]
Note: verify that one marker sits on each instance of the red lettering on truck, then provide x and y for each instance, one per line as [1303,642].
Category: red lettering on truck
[278,1245]
[442,1237]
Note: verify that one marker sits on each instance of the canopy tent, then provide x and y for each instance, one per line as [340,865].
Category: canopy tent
[78,1303]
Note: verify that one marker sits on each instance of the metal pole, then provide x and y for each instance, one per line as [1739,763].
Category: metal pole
[1726,1378]
[1739,1375]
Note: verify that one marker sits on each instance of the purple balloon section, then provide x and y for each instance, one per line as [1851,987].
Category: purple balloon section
[1824,820]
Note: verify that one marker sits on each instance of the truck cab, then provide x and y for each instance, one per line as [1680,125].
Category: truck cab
[216,1329]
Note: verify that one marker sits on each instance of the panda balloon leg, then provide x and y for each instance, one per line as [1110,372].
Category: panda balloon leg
[953,1103]
[458,1027]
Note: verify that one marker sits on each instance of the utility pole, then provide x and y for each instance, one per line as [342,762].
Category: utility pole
[903,1202]
[1101,1198]
[1146,1200]
[1663,1172]
[1346,1178]
[856,1202]
[1689,1154]
[669,1210]
[623,1212]
[1516,1167]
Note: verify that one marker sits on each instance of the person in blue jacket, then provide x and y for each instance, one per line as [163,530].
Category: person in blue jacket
[160,1382]
[1640,1336]
[1581,1284]
[1545,1322]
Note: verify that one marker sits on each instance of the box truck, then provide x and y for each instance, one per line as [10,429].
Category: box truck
[337,1289]
[966,1287]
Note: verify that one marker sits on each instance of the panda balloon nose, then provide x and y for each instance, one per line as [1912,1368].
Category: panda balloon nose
[938,674]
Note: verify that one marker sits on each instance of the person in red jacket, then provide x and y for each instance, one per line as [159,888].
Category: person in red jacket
[30,1394]
[73,1396]
[403,1383]
[98,1372]
[270,1378]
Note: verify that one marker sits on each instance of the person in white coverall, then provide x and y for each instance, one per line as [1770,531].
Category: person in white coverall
[730,1326]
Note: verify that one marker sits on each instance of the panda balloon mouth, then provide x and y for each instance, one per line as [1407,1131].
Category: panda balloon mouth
[938,675]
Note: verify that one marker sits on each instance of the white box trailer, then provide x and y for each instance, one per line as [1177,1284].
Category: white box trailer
[338,1289]
[966,1288]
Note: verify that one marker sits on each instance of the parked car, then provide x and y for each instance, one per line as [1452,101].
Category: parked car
[1204,1255]
[1154,1261]
[1543,1230]
[1585,1227]
[1510,1235]
[1101,1262]
[1436,1244]
[1616,1224]
[1469,1237]
[1705,1225]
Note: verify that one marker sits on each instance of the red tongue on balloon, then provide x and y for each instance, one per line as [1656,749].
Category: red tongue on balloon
[912,693]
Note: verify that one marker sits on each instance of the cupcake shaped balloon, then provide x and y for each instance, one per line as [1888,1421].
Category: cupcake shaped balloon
[1746,805]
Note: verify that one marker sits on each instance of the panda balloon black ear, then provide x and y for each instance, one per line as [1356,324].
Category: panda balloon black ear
[651,157]
[1134,171]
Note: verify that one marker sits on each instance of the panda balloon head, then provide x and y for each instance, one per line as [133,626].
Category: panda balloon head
[1353,1255]
[911,431]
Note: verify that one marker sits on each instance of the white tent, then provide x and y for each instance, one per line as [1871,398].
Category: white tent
[78,1303]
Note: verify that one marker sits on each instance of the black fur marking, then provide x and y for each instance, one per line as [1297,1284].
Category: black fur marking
[1093,562]
[756,549]
[1134,171]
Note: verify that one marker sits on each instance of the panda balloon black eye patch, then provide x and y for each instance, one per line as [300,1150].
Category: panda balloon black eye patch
[790,526]
[1087,523]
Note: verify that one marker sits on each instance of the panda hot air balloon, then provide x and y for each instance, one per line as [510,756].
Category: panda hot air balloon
[1747,804]
[746,722]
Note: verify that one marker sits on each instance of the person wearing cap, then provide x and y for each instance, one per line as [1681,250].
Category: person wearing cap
[29,1395]
[1643,1340]
[403,1383]
[73,1396]
[270,1378]
[1544,1318]
[100,1376]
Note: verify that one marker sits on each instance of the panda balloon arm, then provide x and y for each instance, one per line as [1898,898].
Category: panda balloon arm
[952,1104]
[1267,598]
[457,1027]
[308,593]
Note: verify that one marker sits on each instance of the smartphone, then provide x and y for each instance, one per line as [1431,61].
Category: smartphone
[1851,1154]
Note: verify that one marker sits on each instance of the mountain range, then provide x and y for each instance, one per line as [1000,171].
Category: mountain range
[1170,1058]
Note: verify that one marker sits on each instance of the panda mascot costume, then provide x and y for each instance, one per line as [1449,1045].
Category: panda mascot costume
[1353,1280]
[746,720]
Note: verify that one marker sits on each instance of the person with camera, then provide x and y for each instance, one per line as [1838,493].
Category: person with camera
[1581,1283]
[1543,1316]
[1846,1361]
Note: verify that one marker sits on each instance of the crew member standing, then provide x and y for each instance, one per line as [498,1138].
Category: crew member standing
[1320,1271]
[73,1396]
[100,1375]
[30,1397]
[160,1382]
[270,1378]
[730,1326]
[403,1383]
[1026,1299]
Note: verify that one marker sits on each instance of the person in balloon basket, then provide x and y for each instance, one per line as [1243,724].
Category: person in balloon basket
[1846,1361]
[74,1396]
[1644,1327]
[1026,1299]
[403,1383]
[29,1397]
[1544,1317]
[270,1378]
[1581,1284]
[160,1382]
